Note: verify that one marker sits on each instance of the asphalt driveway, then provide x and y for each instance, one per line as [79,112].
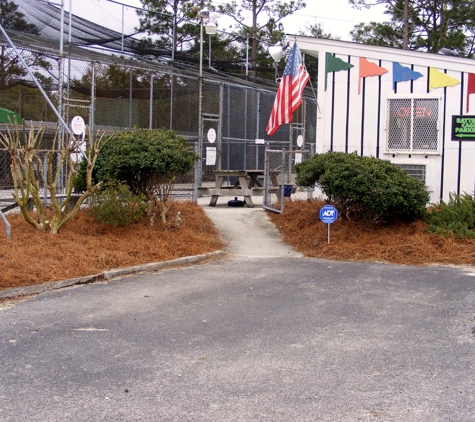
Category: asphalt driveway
[269,339]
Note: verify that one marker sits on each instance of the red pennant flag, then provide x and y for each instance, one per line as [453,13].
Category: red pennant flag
[470,87]
[369,69]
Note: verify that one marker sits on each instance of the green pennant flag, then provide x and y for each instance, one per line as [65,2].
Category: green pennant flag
[334,64]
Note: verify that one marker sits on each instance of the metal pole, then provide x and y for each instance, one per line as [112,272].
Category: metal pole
[68,90]
[60,89]
[92,116]
[151,103]
[200,107]
[8,227]
[199,149]
[61,66]
[258,100]
[130,97]
[122,41]
[220,127]
[245,127]
[209,52]
[70,20]
[282,182]
[172,90]
[61,31]
[266,175]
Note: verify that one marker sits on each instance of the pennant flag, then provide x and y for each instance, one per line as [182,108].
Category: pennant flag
[369,69]
[470,88]
[289,93]
[401,73]
[334,64]
[440,80]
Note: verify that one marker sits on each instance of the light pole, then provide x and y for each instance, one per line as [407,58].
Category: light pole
[210,29]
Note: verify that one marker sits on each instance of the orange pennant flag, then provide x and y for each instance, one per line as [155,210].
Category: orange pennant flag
[369,69]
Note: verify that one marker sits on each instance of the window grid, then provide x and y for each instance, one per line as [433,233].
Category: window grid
[414,170]
[413,125]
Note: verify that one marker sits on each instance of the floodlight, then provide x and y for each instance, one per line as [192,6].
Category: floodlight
[211,27]
[276,52]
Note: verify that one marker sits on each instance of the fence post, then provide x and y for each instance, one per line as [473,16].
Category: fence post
[219,143]
[258,101]
[8,227]
[131,97]
[266,175]
[196,175]
[93,102]
[150,110]
[282,181]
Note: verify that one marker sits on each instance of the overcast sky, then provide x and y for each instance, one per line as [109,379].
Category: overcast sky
[336,16]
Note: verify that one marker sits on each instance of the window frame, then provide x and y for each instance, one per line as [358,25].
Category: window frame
[411,150]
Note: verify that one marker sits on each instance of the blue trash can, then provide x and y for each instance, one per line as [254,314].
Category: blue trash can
[287,190]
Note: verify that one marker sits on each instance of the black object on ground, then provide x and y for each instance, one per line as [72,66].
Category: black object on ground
[235,202]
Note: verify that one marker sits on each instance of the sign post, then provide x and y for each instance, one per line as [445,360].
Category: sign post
[328,214]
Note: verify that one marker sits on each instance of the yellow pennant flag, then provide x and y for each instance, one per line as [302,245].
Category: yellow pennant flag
[440,80]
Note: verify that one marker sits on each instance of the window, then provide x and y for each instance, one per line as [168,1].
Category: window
[414,170]
[413,124]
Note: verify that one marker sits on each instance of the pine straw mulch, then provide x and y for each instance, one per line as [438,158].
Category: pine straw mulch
[398,243]
[85,247]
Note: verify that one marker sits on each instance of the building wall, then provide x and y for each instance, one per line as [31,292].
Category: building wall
[353,110]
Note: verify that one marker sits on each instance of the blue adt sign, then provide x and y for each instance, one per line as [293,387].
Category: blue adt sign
[328,214]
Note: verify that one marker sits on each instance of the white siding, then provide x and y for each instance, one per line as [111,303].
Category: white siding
[348,121]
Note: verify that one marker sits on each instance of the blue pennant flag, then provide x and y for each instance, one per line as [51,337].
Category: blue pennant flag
[401,73]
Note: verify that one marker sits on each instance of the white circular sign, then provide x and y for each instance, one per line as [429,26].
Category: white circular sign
[300,141]
[211,135]
[77,125]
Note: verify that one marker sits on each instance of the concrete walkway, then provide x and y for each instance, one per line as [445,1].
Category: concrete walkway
[248,232]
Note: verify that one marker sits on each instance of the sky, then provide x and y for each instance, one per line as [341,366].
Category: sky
[336,16]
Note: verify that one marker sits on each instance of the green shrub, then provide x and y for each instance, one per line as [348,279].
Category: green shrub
[117,205]
[364,188]
[147,161]
[455,218]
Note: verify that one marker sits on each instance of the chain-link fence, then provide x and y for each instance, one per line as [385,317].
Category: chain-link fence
[113,94]
[280,176]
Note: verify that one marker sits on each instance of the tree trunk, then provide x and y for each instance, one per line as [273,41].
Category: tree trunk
[405,28]
[254,44]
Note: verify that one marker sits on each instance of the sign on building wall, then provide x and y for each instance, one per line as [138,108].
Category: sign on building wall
[463,128]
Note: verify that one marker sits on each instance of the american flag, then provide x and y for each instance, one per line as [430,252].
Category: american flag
[289,94]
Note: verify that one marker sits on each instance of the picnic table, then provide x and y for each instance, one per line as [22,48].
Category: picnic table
[247,185]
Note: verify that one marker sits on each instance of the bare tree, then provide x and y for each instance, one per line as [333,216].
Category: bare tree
[24,150]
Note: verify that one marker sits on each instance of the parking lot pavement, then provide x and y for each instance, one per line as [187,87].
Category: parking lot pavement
[267,339]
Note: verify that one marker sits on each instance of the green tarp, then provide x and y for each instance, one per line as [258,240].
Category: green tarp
[10,117]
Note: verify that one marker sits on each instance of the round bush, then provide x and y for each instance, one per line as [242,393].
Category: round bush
[364,188]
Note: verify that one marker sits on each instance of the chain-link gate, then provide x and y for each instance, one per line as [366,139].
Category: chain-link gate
[280,178]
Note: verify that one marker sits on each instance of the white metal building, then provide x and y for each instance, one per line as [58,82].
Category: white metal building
[398,105]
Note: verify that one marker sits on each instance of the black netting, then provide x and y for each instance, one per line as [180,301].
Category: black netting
[47,20]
